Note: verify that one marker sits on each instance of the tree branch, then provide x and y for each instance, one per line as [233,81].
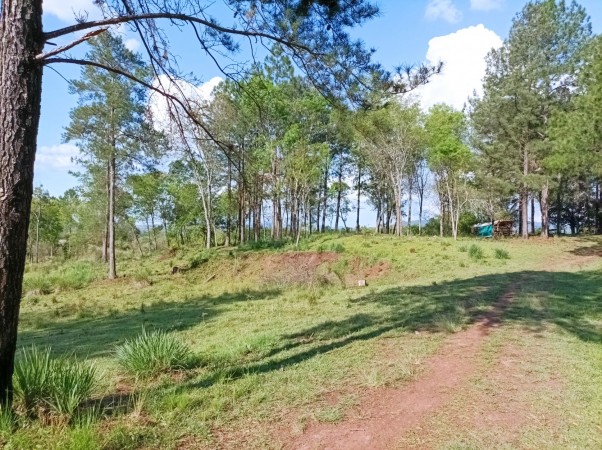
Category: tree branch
[171,97]
[172,16]
[72,44]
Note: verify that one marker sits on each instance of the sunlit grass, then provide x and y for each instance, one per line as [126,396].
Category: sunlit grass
[274,345]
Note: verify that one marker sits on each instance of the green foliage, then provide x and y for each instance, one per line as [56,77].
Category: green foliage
[70,276]
[61,384]
[337,247]
[500,253]
[476,252]
[154,353]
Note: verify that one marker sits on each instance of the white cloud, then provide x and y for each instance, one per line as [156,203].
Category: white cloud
[443,9]
[486,5]
[67,10]
[463,54]
[58,157]
[132,44]
[194,94]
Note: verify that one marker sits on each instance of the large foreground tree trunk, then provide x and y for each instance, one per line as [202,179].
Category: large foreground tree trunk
[20,90]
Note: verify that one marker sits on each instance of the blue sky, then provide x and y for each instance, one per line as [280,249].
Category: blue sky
[410,31]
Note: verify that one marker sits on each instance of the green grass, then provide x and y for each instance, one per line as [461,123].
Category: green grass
[275,345]
[154,353]
[59,385]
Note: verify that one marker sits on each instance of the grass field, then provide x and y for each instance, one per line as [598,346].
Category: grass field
[284,339]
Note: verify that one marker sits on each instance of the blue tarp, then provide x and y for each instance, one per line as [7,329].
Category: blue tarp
[483,229]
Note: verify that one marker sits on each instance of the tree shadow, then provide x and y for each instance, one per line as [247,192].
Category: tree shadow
[93,337]
[592,246]
[568,300]
[571,301]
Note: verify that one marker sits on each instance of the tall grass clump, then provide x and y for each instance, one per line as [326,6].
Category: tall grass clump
[59,385]
[500,253]
[476,252]
[7,421]
[76,276]
[151,354]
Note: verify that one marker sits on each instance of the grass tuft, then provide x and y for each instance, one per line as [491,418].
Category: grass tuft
[154,353]
[60,385]
[500,253]
[476,252]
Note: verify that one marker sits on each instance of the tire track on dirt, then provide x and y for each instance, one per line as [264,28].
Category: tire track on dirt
[385,415]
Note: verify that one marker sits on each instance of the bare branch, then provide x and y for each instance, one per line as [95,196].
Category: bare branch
[172,98]
[72,44]
[171,16]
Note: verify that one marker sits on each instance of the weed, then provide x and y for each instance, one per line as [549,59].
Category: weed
[500,253]
[475,252]
[337,247]
[463,248]
[151,354]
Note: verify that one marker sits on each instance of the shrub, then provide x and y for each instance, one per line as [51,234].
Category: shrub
[61,384]
[198,261]
[475,252]
[500,253]
[76,276]
[337,248]
[151,354]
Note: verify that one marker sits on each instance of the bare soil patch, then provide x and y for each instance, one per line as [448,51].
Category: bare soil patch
[385,414]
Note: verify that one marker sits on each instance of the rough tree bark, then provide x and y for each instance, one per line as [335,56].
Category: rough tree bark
[21,90]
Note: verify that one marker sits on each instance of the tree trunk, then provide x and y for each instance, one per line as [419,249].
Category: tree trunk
[228,220]
[598,218]
[524,198]
[38,236]
[20,90]
[150,249]
[105,238]
[338,208]
[420,202]
[359,198]
[532,214]
[111,239]
[325,199]
[559,207]
[410,209]
[545,225]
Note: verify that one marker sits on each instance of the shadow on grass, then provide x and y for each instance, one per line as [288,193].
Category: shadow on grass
[571,301]
[92,337]
[592,247]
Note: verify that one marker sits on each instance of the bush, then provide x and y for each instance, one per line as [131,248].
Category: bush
[61,384]
[151,354]
[500,253]
[71,276]
[475,252]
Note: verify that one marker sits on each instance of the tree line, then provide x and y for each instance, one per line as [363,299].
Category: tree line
[283,161]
